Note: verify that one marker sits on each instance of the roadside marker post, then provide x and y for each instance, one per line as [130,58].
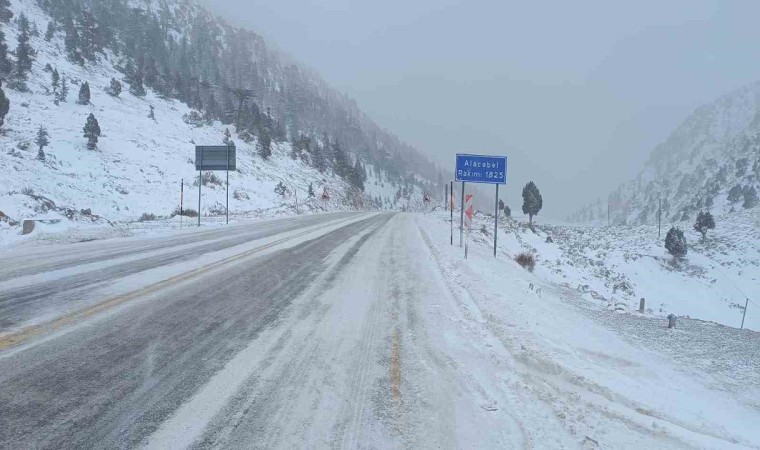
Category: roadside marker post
[482,169]
[461,219]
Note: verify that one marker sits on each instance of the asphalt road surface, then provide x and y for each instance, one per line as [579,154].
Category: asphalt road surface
[297,335]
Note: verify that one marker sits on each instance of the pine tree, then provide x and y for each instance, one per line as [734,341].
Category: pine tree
[311,190]
[24,52]
[227,138]
[55,79]
[750,198]
[264,144]
[114,89]
[152,114]
[50,32]
[280,189]
[532,201]
[340,164]
[4,104]
[735,194]
[675,243]
[136,87]
[5,64]
[42,140]
[71,41]
[64,90]
[704,222]
[84,94]
[89,36]
[92,132]
[318,159]
[5,11]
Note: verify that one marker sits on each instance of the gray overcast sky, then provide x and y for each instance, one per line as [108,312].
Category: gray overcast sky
[576,93]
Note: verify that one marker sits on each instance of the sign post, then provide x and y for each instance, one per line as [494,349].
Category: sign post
[495,221]
[451,209]
[214,157]
[482,169]
[181,200]
[469,210]
[461,219]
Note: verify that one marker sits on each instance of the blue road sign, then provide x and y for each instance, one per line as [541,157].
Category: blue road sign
[481,169]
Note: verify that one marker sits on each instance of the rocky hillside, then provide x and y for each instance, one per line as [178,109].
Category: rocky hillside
[711,162]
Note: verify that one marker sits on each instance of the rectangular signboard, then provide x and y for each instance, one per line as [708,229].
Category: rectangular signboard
[214,157]
[481,169]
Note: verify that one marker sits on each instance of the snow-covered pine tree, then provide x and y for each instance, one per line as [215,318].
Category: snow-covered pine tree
[4,104]
[750,198]
[24,52]
[114,89]
[735,194]
[42,140]
[92,132]
[227,137]
[152,113]
[675,243]
[705,221]
[71,41]
[311,190]
[136,87]
[84,94]
[280,189]
[5,11]
[264,144]
[64,89]
[532,201]
[50,31]
[5,63]
[55,81]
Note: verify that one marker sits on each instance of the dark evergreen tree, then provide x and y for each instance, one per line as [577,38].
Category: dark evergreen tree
[4,104]
[114,89]
[152,114]
[227,137]
[71,41]
[318,159]
[64,89]
[750,198]
[5,11]
[84,94]
[136,87]
[42,139]
[5,64]
[92,132]
[340,163]
[704,222]
[675,243]
[50,32]
[507,211]
[264,144]
[89,37]
[55,81]
[311,191]
[280,189]
[24,52]
[735,194]
[532,201]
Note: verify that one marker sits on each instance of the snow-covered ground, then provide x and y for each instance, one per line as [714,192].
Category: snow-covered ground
[140,163]
[611,380]
[616,266]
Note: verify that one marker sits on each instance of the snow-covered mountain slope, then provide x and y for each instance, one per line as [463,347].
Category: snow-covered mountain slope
[140,162]
[614,267]
[716,150]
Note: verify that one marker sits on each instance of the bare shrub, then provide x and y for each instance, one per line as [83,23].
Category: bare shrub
[526,261]
[146,217]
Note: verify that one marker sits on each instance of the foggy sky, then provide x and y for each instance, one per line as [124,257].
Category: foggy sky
[575,93]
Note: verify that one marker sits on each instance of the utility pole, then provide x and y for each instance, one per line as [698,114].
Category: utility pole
[746,304]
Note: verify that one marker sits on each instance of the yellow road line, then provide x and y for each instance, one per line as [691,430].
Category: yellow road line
[27,333]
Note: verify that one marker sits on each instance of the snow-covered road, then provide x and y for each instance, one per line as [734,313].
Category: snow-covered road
[358,331]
